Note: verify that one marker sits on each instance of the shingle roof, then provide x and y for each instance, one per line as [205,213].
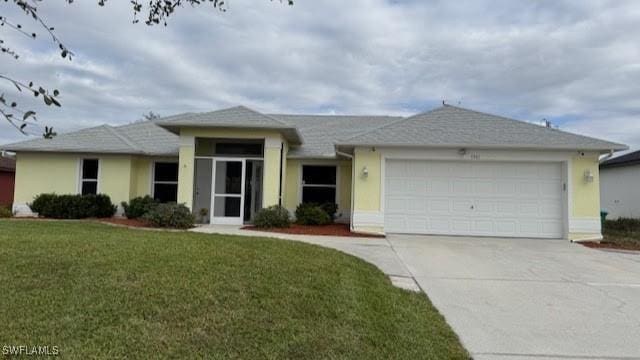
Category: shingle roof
[235,117]
[451,126]
[320,132]
[447,126]
[137,138]
[7,164]
[624,160]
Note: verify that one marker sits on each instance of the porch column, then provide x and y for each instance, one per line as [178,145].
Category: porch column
[185,170]
[272,168]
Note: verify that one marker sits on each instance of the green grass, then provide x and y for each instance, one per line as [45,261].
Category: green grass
[97,291]
[623,233]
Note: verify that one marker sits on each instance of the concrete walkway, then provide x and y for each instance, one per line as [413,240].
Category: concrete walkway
[377,251]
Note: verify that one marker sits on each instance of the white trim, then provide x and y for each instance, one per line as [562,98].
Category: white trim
[22,210]
[590,225]
[80,179]
[153,177]
[368,218]
[223,220]
[302,164]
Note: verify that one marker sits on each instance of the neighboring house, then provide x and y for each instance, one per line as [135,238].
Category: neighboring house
[620,186]
[7,179]
[447,171]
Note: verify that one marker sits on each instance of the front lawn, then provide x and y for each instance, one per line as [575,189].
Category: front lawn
[97,291]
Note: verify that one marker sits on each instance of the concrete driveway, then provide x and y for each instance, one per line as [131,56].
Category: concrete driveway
[530,299]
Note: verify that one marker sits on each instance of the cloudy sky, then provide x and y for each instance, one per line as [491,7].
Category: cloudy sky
[576,63]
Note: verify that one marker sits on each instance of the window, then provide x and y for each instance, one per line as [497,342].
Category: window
[165,181]
[318,184]
[89,177]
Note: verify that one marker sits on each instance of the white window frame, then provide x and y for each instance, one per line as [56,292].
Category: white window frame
[81,178]
[153,176]
[303,185]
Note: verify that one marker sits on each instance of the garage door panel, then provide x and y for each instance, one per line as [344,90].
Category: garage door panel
[436,186]
[463,198]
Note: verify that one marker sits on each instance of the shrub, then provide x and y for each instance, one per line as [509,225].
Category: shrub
[5,212]
[42,203]
[273,216]
[330,209]
[139,206]
[170,215]
[626,225]
[311,214]
[73,206]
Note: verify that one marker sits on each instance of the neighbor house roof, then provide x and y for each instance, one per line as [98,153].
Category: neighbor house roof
[7,164]
[451,126]
[143,138]
[446,126]
[624,160]
[235,117]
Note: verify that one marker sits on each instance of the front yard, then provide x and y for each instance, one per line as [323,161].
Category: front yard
[97,291]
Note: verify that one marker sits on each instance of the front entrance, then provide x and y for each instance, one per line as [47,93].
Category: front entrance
[237,190]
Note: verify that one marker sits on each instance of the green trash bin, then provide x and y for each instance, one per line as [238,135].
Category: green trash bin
[603,218]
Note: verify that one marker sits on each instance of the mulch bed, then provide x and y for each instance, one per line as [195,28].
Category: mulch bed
[609,245]
[328,230]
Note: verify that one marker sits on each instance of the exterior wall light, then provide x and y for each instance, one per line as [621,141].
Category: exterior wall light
[365,172]
[588,176]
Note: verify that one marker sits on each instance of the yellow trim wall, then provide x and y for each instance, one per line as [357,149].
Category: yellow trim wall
[38,173]
[366,190]
[366,194]
[586,195]
[122,177]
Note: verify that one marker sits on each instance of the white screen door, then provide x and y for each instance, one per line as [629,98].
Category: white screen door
[228,194]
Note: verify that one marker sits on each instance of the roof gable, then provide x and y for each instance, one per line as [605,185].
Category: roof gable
[451,126]
[234,117]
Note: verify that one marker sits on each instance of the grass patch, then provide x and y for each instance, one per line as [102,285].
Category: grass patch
[102,292]
[622,233]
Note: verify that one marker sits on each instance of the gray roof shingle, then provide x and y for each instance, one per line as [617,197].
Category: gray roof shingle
[451,126]
[624,160]
[320,132]
[235,117]
[143,138]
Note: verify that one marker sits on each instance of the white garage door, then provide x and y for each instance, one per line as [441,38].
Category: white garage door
[473,198]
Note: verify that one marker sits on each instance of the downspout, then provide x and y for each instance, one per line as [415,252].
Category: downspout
[281,170]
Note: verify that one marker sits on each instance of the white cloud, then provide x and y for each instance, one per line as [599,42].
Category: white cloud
[572,62]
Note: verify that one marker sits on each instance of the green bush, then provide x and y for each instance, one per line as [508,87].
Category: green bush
[273,216]
[626,225]
[330,209]
[5,212]
[311,214]
[42,203]
[139,206]
[170,215]
[73,206]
